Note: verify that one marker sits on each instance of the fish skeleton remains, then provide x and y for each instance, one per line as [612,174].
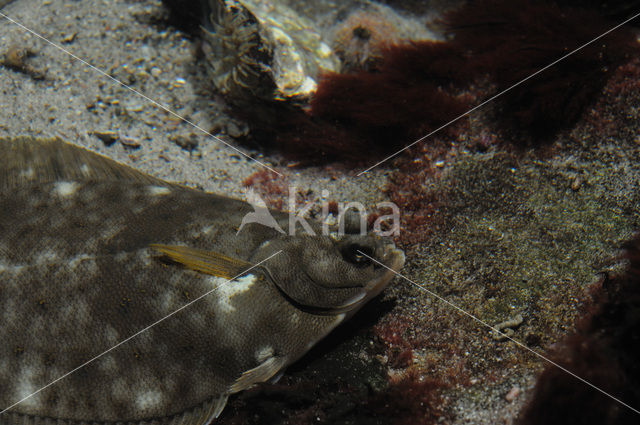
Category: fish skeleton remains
[92,252]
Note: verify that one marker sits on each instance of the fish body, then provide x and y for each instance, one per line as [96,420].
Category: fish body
[146,291]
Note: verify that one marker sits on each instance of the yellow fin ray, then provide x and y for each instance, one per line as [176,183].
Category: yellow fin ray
[203,261]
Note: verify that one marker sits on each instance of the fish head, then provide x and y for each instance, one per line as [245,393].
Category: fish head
[330,275]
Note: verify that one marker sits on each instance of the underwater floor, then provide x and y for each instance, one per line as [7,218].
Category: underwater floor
[502,225]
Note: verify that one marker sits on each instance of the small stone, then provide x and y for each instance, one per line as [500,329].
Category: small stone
[186,143]
[156,72]
[234,130]
[16,58]
[107,137]
[134,107]
[68,39]
[129,142]
[512,394]
[576,184]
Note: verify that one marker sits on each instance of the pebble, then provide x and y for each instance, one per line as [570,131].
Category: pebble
[187,143]
[70,38]
[512,394]
[129,142]
[576,184]
[16,58]
[107,137]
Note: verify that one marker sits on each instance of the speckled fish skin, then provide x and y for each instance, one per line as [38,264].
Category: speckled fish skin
[78,275]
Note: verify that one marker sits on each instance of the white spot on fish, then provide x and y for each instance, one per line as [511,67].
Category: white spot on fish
[85,169]
[28,173]
[65,189]
[46,257]
[10,268]
[111,230]
[111,334]
[75,261]
[144,257]
[227,290]
[108,364]
[158,190]
[148,399]
[9,315]
[169,302]
[264,353]
[37,325]
[26,388]
[79,310]
[264,244]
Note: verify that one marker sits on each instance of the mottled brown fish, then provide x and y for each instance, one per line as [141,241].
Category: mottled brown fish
[93,252]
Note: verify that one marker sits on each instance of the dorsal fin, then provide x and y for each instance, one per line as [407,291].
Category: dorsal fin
[28,160]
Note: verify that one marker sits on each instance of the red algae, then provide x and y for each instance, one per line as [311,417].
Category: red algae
[611,117]
[416,88]
[396,343]
[420,203]
[411,400]
[357,116]
[511,40]
[271,187]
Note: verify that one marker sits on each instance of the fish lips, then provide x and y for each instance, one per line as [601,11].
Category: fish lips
[392,260]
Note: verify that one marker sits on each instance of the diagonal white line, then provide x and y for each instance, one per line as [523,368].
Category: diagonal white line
[433,294]
[139,332]
[118,82]
[498,95]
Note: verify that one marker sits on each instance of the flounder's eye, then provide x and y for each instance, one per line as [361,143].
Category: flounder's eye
[357,254]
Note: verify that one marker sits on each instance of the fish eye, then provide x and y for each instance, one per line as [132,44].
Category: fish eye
[357,254]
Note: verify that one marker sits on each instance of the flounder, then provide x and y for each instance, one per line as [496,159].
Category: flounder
[128,299]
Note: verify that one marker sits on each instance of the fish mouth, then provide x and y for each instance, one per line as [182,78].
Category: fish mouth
[392,260]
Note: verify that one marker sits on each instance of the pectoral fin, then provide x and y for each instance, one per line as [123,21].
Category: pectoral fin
[261,373]
[208,262]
